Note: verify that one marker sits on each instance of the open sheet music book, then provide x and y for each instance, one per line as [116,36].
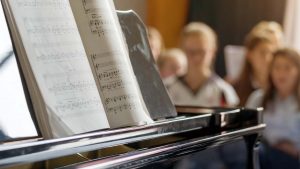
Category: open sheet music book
[76,64]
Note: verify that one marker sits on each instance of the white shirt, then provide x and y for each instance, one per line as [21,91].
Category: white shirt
[169,81]
[282,117]
[209,95]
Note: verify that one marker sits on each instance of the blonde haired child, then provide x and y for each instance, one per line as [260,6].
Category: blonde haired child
[200,86]
[272,29]
[171,63]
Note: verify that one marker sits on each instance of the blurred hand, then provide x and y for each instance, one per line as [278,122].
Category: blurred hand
[287,147]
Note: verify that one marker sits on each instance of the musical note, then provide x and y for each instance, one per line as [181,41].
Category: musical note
[122,108]
[115,73]
[53,26]
[74,107]
[112,86]
[54,4]
[58,56]
[115,99]
[71,87]
[98,25]
[104,55]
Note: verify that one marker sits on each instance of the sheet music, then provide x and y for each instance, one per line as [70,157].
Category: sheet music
[58,60]
[104,44]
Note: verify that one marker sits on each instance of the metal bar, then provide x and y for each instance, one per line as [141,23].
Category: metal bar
[48,149]
[139,159]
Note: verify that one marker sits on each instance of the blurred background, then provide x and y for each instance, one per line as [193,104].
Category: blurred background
[231,19]
[229,53]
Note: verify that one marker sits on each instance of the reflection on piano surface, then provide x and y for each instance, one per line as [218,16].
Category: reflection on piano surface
[162,144]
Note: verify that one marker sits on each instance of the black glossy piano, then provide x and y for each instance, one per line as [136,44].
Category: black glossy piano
[160,145]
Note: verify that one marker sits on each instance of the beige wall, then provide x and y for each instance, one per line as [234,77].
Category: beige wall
[139,6]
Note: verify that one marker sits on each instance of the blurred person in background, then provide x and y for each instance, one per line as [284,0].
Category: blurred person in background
[262,40]
[156,42]
[200,86]
[171,63]
[281,102]
[255,72]
[270,28]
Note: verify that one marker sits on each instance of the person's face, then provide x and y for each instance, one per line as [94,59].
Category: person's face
[284,74]
[199,51]
[170,68]
[261,56]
